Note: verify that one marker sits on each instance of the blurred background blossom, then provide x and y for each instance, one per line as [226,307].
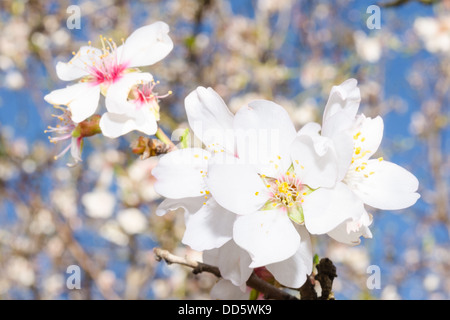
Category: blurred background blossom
[100,214]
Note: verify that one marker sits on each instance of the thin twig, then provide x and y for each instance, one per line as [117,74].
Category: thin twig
[269,291]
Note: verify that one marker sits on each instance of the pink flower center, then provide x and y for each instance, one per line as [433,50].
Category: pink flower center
[106,68]
[286,190]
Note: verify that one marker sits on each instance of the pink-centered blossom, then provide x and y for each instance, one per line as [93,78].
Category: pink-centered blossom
[140,112]
[109,69]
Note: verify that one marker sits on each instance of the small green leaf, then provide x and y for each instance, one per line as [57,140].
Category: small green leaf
[295,213]
[307,190]
[184,139]
[270,205]
[253,294]
[316,260]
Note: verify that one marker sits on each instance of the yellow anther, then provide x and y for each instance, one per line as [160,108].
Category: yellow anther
[356,136]
[358,150]
[283,187]
[380,159]
[256,193]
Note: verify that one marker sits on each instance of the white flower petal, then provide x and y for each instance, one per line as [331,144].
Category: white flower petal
[226,290]
[190,205]
[311,129]
[339,122]
[367,136]
[180,173]
[76,146]
[293,272]
[350,231]
[326,208]
[116,99]
[209,228]
[79,65]
[268,236]
[81,99]
[264,133]
[344,148]
[346,97]
[311,168]
[210,119]
[146,45]
[232,261]
[115,125]
[236,186]
[389,187]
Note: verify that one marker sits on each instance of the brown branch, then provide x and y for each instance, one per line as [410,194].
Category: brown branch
[307,291]
[326,272]
[269,291]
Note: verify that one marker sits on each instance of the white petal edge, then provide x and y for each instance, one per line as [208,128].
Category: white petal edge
[326,208]
[78,66]
[146,45]
[115,125]
[189,205]
[232,261]
[293,272]
[236,186]
[264,133]
[209,228]
[116,99]
[350,231]
[268,236]
[390,187]
[81,99]
[346,97]
[210,119]
[180,173]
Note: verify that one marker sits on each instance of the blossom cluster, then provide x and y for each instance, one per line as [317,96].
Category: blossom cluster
[258,189]
[112,72]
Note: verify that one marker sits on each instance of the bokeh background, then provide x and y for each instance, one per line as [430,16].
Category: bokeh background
[100,216]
